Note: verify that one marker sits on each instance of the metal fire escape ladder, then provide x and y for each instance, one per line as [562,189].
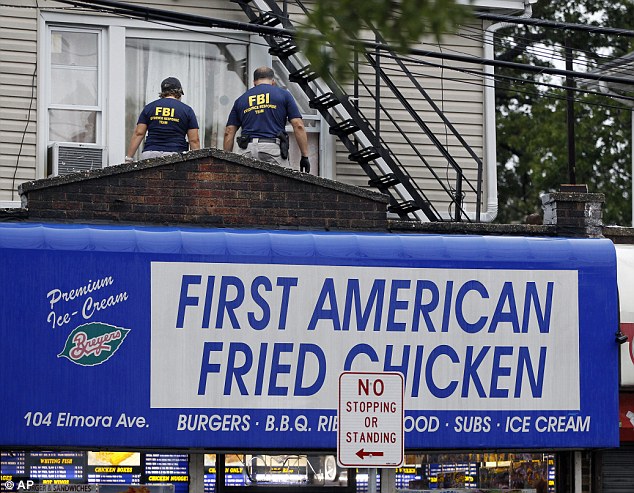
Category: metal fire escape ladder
[461,178]
[344,120]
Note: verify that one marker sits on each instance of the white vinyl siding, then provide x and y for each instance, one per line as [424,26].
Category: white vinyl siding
[460,97]
[18,44]
[23,25]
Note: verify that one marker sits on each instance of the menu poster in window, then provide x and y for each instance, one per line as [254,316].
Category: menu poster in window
[155,488]
[405,475]
[114,467]
[12,470]
[210,473]
[453,475]
[56,467]
[235,472]
[167,468]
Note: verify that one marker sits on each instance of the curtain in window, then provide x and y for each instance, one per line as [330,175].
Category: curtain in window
[212,75]
[185,61]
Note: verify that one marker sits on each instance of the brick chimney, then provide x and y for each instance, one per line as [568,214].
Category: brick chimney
[574,211]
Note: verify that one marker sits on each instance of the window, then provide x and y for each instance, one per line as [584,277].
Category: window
[74,92]
[212,76]
[292,473]
[99,72]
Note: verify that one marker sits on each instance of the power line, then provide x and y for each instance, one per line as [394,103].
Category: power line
[515,65]
[147,13]
[545,52]
[172,17]
[555,24]
[508,79]
[472,72]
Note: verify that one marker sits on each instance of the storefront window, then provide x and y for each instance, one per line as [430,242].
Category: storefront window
[428,473]
[286,470]
[521,472]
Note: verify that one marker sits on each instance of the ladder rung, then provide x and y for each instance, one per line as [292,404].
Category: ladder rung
[303,75]
[404,207]
[364,155]
[267,19]
[346,127]
[385,181]
[325,101]
[284,49]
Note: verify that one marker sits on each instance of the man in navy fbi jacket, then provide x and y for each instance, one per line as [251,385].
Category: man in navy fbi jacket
[171,125]
[262,112]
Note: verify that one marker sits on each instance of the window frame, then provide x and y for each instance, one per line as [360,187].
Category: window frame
[113,32]
[98,109]
[143,33]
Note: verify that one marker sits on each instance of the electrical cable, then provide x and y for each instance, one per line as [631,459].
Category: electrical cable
[482,75]
[544,53]
[538,51]
[555,24]
[26,126]
[462,56]
[179,18]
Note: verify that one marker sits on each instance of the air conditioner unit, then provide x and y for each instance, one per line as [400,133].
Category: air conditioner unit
[71,157]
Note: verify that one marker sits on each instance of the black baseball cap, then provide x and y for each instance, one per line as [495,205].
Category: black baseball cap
[171,84]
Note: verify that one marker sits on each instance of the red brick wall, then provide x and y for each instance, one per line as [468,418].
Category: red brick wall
[209,188]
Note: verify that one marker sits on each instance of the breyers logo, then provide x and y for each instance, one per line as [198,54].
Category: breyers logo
[93,343]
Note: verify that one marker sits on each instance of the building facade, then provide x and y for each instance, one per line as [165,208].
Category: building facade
[75,77]
[283,271]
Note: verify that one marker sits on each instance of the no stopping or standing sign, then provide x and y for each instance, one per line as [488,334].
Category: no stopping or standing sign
[370,420]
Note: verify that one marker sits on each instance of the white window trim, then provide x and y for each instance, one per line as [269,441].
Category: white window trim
[72,29]
[114,33]
[141,30]
[44,87]
[99,108]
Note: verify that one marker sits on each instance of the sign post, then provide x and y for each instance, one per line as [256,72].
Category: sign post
[370,420]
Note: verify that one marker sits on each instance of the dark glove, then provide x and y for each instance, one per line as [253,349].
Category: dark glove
[304,164]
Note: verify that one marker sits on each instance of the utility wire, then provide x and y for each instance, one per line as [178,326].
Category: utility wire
[147,13]
[545,52]
[509,80]
[535,50]
[171,17]
[555,24]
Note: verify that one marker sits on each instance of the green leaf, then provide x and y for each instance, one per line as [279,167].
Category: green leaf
[93,343]
[337,29]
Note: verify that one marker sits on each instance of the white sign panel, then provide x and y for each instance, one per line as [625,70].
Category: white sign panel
[259,336]
[370,429]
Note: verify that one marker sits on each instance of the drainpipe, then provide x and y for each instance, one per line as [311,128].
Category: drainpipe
[490,154]
[603,87]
